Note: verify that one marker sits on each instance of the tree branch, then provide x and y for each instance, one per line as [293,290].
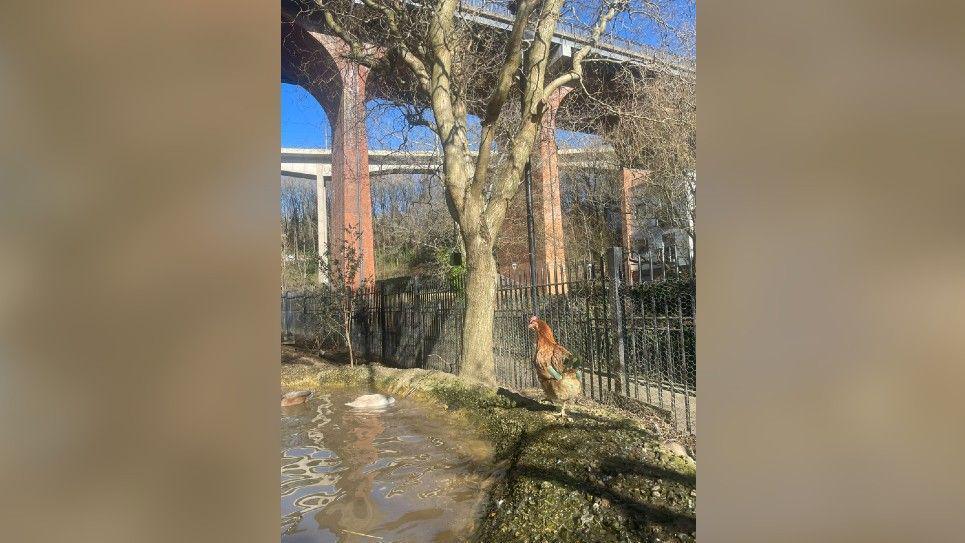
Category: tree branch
[576,67]
[533,102]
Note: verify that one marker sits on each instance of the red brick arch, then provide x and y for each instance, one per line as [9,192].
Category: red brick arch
[317,62]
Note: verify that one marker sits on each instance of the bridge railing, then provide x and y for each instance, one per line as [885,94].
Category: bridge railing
[573,31]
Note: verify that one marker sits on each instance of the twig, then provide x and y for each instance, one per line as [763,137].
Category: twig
[361,534]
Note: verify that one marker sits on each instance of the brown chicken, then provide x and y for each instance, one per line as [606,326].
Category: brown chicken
[559,382]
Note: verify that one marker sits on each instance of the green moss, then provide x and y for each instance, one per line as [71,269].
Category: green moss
[602,477]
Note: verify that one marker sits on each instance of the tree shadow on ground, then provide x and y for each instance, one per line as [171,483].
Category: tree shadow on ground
[639,513]
[615,465]
[524,402]
[631,500]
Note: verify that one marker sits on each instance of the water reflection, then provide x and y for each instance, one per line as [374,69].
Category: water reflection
[401,474]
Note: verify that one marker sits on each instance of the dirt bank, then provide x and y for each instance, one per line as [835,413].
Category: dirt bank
[606,476]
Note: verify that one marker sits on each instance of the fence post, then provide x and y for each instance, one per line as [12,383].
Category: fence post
[284,317]
[619,354]
[382,339]
[289,317]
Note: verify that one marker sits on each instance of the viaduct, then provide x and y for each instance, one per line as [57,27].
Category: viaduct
[315,60]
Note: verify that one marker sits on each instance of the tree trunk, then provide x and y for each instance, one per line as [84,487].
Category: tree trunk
[478,361]
[348,341]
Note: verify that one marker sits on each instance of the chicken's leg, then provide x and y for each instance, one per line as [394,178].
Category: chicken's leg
[562,414]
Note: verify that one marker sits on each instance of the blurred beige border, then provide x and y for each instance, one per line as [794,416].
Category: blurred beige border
[138,271]
[832,280]
[138,276]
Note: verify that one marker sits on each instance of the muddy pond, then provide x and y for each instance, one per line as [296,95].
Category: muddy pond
[402,473]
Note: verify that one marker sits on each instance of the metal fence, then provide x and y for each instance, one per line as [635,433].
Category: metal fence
[628,319]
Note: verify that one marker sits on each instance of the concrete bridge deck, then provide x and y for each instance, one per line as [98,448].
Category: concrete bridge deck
[309,163]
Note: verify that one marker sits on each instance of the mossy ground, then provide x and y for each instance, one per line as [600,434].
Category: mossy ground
[604,477]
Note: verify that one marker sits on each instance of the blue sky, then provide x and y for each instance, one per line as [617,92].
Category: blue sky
[304,124]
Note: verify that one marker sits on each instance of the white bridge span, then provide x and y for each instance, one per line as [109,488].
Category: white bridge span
[317,163]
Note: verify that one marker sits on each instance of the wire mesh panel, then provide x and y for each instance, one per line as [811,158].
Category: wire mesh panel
[661,352]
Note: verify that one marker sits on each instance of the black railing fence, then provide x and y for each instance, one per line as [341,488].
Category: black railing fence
[633,337]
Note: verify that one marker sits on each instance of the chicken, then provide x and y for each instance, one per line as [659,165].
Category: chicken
[559,382]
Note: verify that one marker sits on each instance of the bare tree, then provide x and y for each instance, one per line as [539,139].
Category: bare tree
[341,294]
[656,131]
[299,247]
[591,207]
[414,233]
[447,67]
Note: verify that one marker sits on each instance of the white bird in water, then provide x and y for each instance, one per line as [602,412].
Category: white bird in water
[372,401]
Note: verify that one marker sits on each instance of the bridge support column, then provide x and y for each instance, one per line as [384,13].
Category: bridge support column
[350,191]
[513,252]
[546,176]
